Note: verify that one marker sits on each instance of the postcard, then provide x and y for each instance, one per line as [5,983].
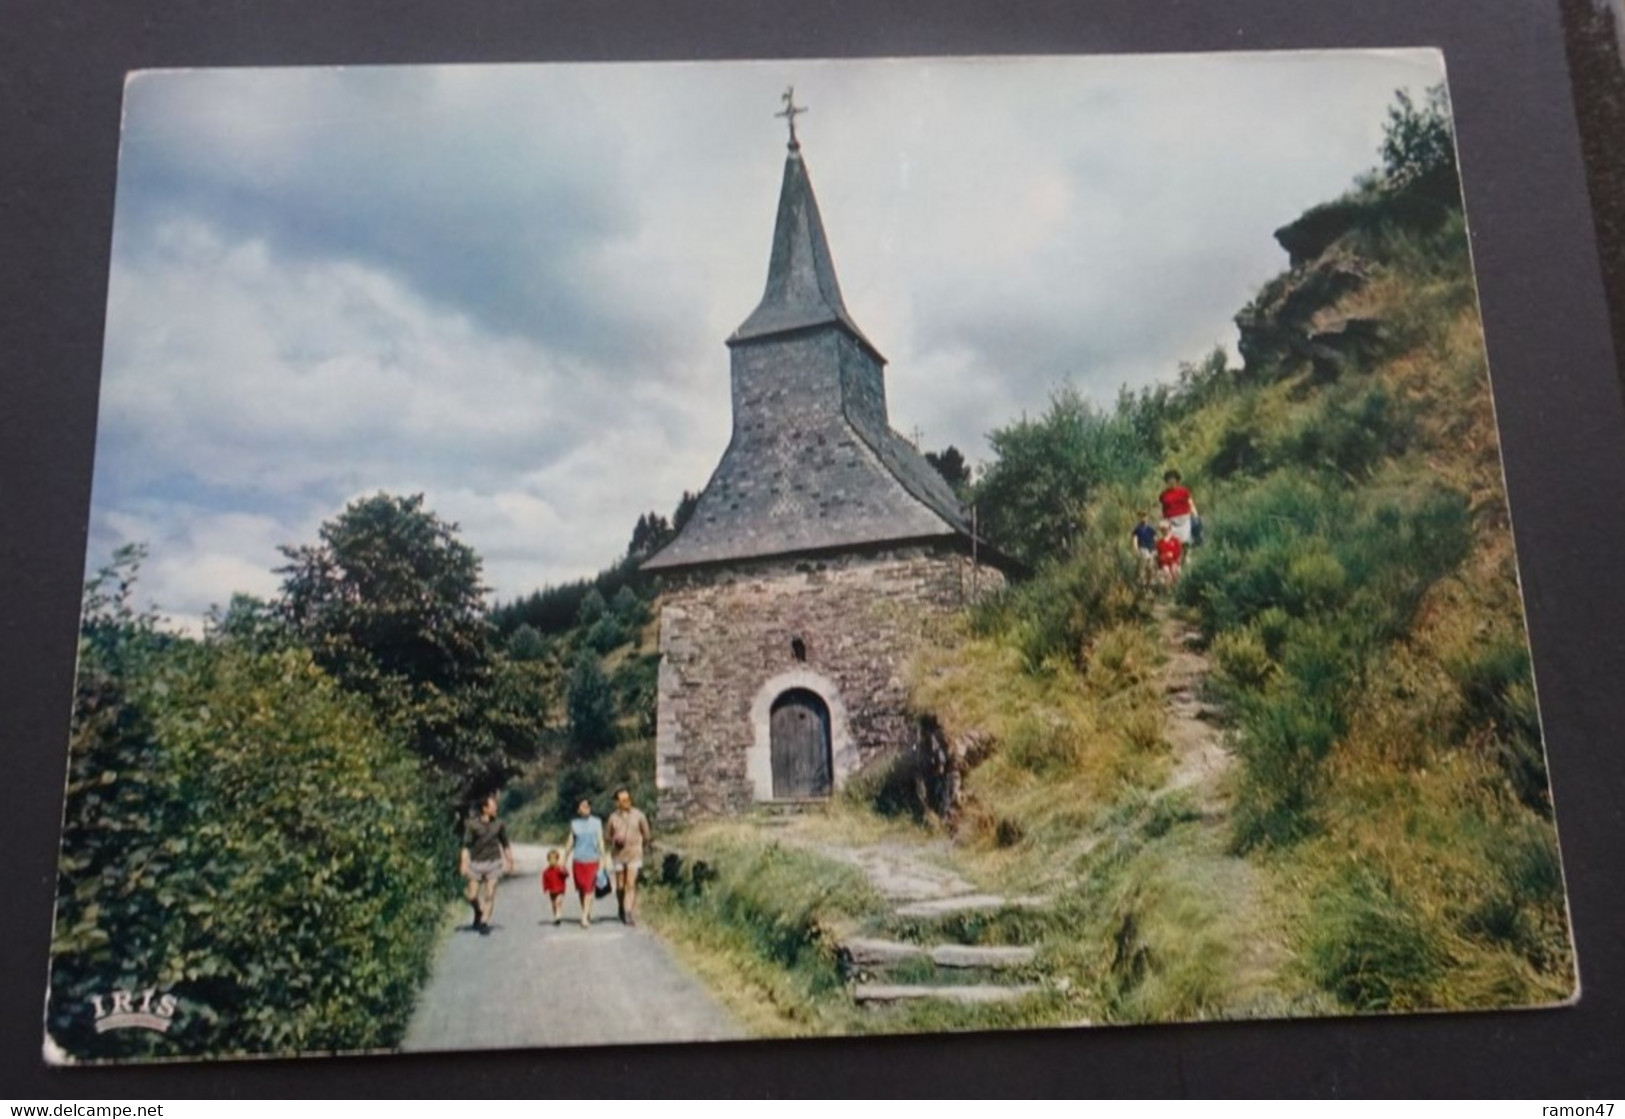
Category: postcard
[605,554]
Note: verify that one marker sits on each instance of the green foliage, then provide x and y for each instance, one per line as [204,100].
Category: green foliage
[592,609]
[590,708]
[1055,615]
[1498,695]
[779,901]
[1417,142]
[636,683]
[238,831]
[1370,947]
[1351,433]
[605,634]
[250,622]
[630,608]
[1516,910]
[631,764]
[1306,587]
[527,644]
[652,533]
[390,603]
[950,463]
[1032,498]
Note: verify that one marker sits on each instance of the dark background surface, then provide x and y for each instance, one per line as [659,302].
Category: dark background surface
[1557,395]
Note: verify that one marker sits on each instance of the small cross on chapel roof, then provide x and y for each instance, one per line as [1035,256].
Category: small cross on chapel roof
[790,112]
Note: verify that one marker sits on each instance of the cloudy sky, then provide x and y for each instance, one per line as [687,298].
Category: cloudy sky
[508,287]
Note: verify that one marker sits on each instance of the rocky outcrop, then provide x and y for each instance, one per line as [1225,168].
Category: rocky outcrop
[1295,317]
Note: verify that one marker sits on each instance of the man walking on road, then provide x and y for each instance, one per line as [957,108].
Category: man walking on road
[486,857]
[628,832]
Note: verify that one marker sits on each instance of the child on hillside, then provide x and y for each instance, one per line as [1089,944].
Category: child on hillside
[1145,546]
[554,883]
[1169,550]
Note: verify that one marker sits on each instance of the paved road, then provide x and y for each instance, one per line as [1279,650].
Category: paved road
[530,983]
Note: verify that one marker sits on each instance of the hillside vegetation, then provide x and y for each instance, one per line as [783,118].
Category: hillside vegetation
[1383,838]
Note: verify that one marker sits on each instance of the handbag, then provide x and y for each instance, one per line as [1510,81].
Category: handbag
[600,885]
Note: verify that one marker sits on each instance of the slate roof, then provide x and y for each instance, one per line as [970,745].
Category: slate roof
[812,464]
[802,290]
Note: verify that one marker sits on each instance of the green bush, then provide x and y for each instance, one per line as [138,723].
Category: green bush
[1033,496]
[1498,693]
[1285,735]
[1242,659]
[1060,611]
[1350,433]
[1369,947]
[629,765]
[590,708]
[240,833]
[606,633]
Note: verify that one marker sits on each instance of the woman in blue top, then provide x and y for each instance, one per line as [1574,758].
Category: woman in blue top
[585,850]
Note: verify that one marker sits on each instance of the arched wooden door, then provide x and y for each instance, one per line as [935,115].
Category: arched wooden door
[800,746]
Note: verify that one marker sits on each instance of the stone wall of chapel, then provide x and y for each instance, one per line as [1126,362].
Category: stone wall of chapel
[724,634]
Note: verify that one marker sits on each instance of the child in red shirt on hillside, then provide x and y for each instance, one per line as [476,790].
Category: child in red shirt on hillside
[1169,550]
[554,882]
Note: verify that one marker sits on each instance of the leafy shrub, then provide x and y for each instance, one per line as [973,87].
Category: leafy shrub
[606,633]
[1058,613]
[527,644]
[1242,659]
[1033,496]
[629,765]
[1350,433]
[592,608]
[1314,581]
[1286,734]
[238,831]
[1417,142]
[590,708]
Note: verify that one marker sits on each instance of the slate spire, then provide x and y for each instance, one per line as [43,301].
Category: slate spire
[801,287]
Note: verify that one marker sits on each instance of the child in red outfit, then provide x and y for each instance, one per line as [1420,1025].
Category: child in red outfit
[554,882]
[1169,550]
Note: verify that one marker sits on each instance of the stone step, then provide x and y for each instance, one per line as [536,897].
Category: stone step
[872,993]
[967,903]
[871,952]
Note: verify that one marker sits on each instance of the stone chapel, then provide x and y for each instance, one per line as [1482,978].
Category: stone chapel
[794,597]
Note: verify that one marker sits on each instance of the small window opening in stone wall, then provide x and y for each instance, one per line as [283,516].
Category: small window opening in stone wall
[798,648]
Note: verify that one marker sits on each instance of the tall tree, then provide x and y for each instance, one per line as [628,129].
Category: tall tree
[391,604]
[1033,495]
[685,510]
[590,705]
[649,535]
[950,463]
[1418,145]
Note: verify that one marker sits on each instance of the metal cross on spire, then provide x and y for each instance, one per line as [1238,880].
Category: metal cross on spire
[790,112]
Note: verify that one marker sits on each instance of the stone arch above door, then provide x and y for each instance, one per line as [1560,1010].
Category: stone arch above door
[759,757]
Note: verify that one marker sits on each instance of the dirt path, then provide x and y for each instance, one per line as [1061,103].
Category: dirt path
[1200,757]
[1201,764]
[530,983]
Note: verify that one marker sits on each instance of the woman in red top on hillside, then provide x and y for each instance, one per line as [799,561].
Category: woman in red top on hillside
[1177,507]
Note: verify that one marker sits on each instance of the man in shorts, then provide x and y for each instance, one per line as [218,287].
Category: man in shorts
[628,830]
[486,857]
